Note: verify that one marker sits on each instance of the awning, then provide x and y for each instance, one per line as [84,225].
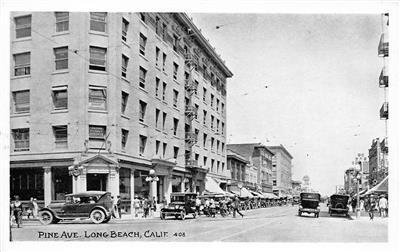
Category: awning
[243,193]
[382,187]
[257,194]
[270,196]
[212,187]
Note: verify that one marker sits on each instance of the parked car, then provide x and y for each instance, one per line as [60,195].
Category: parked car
[309,203]
[93,205]
[181,205]
[338,204]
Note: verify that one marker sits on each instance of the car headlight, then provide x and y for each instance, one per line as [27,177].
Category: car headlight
[176,207]
[300,206]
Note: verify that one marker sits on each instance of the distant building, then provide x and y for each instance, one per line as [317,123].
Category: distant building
[296,187]
[349,184]
[259,156]
[378,161]
[237,165]
[281,170]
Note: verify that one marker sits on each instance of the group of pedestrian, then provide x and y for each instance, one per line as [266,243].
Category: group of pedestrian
[225,206]
[145,206]
[17,210]
[373,204]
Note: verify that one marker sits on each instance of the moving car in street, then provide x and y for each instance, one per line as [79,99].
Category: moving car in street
[181,205]
[338,204]
[94,205]
[309,203]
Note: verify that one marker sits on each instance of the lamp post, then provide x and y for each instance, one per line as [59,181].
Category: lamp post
[240,185]
[152,177]
[357,177]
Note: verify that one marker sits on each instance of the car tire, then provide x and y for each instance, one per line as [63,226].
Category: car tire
[46,217]
[107,220]
[97,216]
[299,213]
[194,215]
[162,216]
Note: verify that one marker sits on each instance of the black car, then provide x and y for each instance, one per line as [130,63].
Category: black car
[338,204]
[93,205]
[181,205]
[309,203]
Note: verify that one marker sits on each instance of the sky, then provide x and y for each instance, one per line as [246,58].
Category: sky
[322,98]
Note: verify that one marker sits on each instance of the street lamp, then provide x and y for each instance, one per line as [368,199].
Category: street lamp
[357,177]
[240,185]
[152,177]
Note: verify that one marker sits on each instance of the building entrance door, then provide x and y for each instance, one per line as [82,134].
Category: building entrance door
[96,182]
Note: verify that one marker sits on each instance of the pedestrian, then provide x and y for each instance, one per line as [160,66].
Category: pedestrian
[207,207]
[353,204]
[17,211]
[372,207]
[113,210]
[198,204]
[136,205]
[153,206]
[146,206]
[212,208]
[118,205]
[35,208]
[223,209]
[383,204]
[236,204]
[29,211]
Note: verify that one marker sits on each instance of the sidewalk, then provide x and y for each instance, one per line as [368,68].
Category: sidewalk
[365,217]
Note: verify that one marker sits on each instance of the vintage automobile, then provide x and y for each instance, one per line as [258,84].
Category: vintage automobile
[338,204]
[181,205]
[93,205]
[309,203]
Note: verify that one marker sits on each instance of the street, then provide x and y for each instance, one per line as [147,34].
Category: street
[275,224]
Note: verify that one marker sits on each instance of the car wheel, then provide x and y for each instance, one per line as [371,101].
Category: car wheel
[97,216]
[162,216]
[46,217]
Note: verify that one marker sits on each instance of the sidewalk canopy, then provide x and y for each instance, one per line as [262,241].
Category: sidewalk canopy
[382,187]
[212,187]
[270,196]
[257,194]
[243,193]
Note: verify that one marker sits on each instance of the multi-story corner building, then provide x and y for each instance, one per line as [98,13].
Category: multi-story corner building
[281,170]
[378,161]
[261,157]
[364,170]
[101,99]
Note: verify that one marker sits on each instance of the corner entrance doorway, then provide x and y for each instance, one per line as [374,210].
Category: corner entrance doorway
[96,182]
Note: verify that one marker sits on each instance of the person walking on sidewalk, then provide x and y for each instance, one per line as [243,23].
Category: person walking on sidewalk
[236,204]
[136,205]
[198,204]
[146,207]
[119,206]
[372,207]
[383,204]
[17,210]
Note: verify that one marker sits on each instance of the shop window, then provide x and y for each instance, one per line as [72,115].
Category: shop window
[62,183]
[27,183]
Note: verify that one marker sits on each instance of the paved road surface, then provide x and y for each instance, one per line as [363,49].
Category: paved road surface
[277,224]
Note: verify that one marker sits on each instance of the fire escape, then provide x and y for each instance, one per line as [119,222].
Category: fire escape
[191,62]
[383,51]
